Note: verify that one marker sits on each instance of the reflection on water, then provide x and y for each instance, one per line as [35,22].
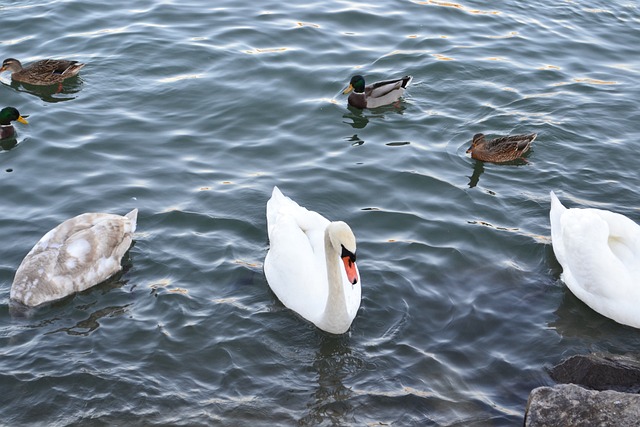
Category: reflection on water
[459,316]
[87,326]
[573,317]
[357,117]
[18,310]
[478,169]
[360,118]
[8,143]
[333,363]
[53,93]
[354,140]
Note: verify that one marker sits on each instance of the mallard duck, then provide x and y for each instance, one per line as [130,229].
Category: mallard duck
[376,94]
[311,264]
[8,115]
[42,73]
[502,149]
[599,252]
[79,253]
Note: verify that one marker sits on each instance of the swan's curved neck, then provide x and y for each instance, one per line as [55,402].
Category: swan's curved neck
[335,311]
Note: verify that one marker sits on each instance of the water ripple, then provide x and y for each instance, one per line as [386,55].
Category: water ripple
[192,113]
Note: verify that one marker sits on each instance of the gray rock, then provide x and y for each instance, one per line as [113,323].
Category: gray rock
[571,405]
[600,371]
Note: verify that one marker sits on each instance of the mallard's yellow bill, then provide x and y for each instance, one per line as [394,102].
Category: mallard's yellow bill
[347,90]
[22,120]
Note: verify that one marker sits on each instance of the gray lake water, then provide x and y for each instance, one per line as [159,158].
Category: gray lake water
[192,111]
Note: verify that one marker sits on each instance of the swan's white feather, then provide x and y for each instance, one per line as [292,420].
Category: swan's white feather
[296,266]
[599,252]
[294,228]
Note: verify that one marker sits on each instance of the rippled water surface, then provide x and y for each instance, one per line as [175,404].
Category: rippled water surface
[192,111]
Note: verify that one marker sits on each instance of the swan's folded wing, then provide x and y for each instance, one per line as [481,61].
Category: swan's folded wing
[594,273]
[624,240]
[292,271]
[281,208]
[594,267]
[94,253]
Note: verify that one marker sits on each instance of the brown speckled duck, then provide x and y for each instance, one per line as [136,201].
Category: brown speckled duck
[42,73]
[376,94]
[502,149]
[8,115]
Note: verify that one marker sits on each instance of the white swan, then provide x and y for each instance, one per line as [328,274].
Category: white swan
[310,265]
[78,254]
[599,252]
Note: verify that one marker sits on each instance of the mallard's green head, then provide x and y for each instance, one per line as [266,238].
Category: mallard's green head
[10,114]
[356,84]
[11,64]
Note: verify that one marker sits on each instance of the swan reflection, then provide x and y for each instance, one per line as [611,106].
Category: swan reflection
[86,326]
[331,401]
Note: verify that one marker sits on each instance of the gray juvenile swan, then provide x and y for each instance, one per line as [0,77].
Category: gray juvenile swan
[76,255]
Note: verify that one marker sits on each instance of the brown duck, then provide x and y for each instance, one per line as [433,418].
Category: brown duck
[42,73]
[502,149]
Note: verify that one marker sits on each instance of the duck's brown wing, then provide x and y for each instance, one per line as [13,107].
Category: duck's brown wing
[524,143]
[48,71]
[56,66]
[513,142]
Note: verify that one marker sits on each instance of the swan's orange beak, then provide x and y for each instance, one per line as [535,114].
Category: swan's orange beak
[350,268]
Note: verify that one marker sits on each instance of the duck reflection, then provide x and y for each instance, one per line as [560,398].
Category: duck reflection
[52,94]
[354,140]
[478,169]
[8,143]
[357,117]
[334,362]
